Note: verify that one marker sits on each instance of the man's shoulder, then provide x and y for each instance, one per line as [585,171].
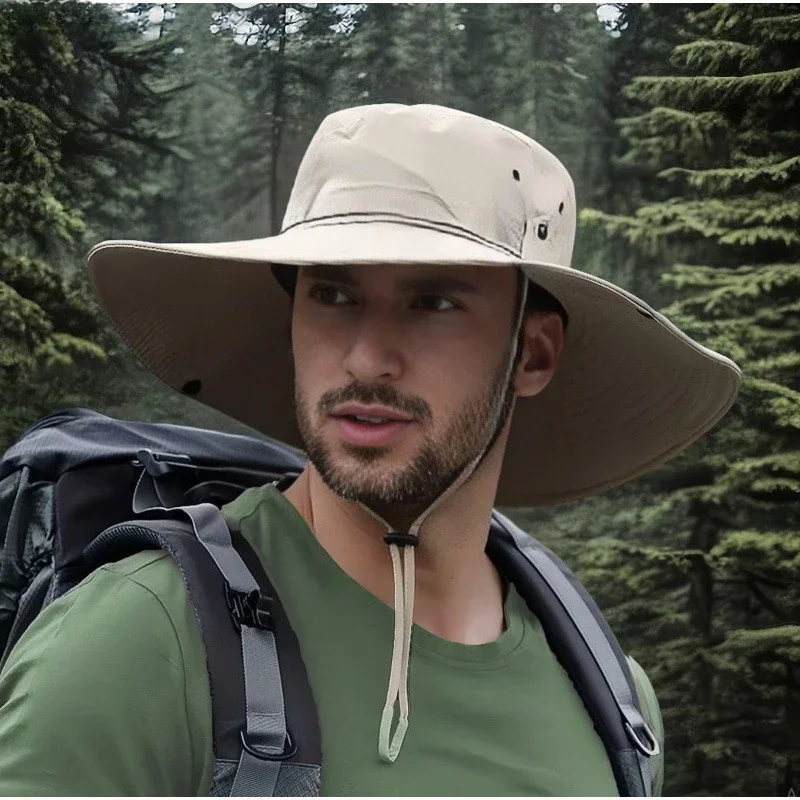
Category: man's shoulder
[145,583]
[137,607]
[101,685]
[137,598]
[143,565]
[151,569]
[246,504]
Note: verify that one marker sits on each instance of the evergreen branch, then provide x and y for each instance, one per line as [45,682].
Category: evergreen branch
[780,28]
[763,208]
[777,389]
[718,90]
[761,234]
[723,178]
[153,143]
[762,276]
[710,54]
[667,134]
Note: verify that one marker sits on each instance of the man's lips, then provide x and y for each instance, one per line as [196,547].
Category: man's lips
[362,410]
[368,434]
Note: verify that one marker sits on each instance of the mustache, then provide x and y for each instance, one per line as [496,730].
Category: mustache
[369,394]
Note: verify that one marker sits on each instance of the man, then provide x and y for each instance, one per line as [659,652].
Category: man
[444,357]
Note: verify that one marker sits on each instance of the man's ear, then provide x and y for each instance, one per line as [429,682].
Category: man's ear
[542,342]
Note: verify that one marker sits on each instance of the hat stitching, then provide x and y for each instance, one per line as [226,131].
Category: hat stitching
[424,223]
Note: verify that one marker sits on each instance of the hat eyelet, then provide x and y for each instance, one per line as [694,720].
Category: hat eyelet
[561,208]
[192,388]
[515,173]
[541,231]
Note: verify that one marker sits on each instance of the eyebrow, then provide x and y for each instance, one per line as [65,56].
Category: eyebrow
[425,283]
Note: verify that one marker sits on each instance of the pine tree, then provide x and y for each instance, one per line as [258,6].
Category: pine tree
[206,117]
[45,326]
[403,53]
[76,130]
[722,138]
[535,67]
[643,38]
[285,62]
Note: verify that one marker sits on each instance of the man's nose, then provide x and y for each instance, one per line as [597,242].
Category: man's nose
[374,350]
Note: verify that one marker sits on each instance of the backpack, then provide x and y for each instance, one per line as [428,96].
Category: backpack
[80,489]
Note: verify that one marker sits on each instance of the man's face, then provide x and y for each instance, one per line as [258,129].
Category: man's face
[430,343]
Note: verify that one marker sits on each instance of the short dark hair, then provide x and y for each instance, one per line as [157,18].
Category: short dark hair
[540,300]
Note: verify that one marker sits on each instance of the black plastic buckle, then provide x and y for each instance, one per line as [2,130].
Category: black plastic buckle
[157,464]
[253,609]
[289,749]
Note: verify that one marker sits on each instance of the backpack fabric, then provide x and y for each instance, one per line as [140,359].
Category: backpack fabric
[80,489]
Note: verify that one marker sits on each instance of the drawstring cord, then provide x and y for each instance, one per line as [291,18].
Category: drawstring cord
[403,574]
[398,679]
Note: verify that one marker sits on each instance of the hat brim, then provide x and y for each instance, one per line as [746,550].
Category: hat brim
[631,390]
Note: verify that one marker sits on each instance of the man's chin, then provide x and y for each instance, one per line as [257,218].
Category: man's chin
[355,486]
[376,489]
[384,481]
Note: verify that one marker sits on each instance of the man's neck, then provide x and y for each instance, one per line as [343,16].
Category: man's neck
[458,594]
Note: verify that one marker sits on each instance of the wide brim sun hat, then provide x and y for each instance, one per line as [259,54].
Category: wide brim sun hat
[395,184]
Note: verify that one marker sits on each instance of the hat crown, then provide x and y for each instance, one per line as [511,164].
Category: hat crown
[437,167]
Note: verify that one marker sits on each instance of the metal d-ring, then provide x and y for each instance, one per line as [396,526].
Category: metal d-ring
[653,749]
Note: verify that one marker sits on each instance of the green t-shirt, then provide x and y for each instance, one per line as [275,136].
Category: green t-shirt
[107,693]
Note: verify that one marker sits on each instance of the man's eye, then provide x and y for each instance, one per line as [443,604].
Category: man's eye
[327,294]
[431,300]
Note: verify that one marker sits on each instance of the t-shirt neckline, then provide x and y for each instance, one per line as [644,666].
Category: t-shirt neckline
[479,656]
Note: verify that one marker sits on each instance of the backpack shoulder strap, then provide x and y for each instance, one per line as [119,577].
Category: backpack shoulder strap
[300,708]
[252,654]
[585,646]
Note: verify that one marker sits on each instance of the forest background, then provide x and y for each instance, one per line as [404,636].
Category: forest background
[681,127]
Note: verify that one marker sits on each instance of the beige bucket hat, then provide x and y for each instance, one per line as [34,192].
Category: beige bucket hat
[395,184]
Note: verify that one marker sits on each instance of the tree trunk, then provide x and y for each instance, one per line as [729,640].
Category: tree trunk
[701,610]
[279,74]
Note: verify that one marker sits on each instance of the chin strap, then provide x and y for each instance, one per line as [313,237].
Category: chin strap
[403,573]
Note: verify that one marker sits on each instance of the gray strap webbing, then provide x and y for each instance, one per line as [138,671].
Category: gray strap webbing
[150,493]
[639,732]
[593,635]
[265,714]
[255,777]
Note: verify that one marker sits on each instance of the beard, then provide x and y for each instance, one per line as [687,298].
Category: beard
[410,488]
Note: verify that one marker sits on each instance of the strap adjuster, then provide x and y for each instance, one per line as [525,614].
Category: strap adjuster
[158,464]
[401,539]
[253,609]
[289,749]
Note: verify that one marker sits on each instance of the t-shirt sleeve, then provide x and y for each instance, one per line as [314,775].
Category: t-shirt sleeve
[93,699]
[652,714]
